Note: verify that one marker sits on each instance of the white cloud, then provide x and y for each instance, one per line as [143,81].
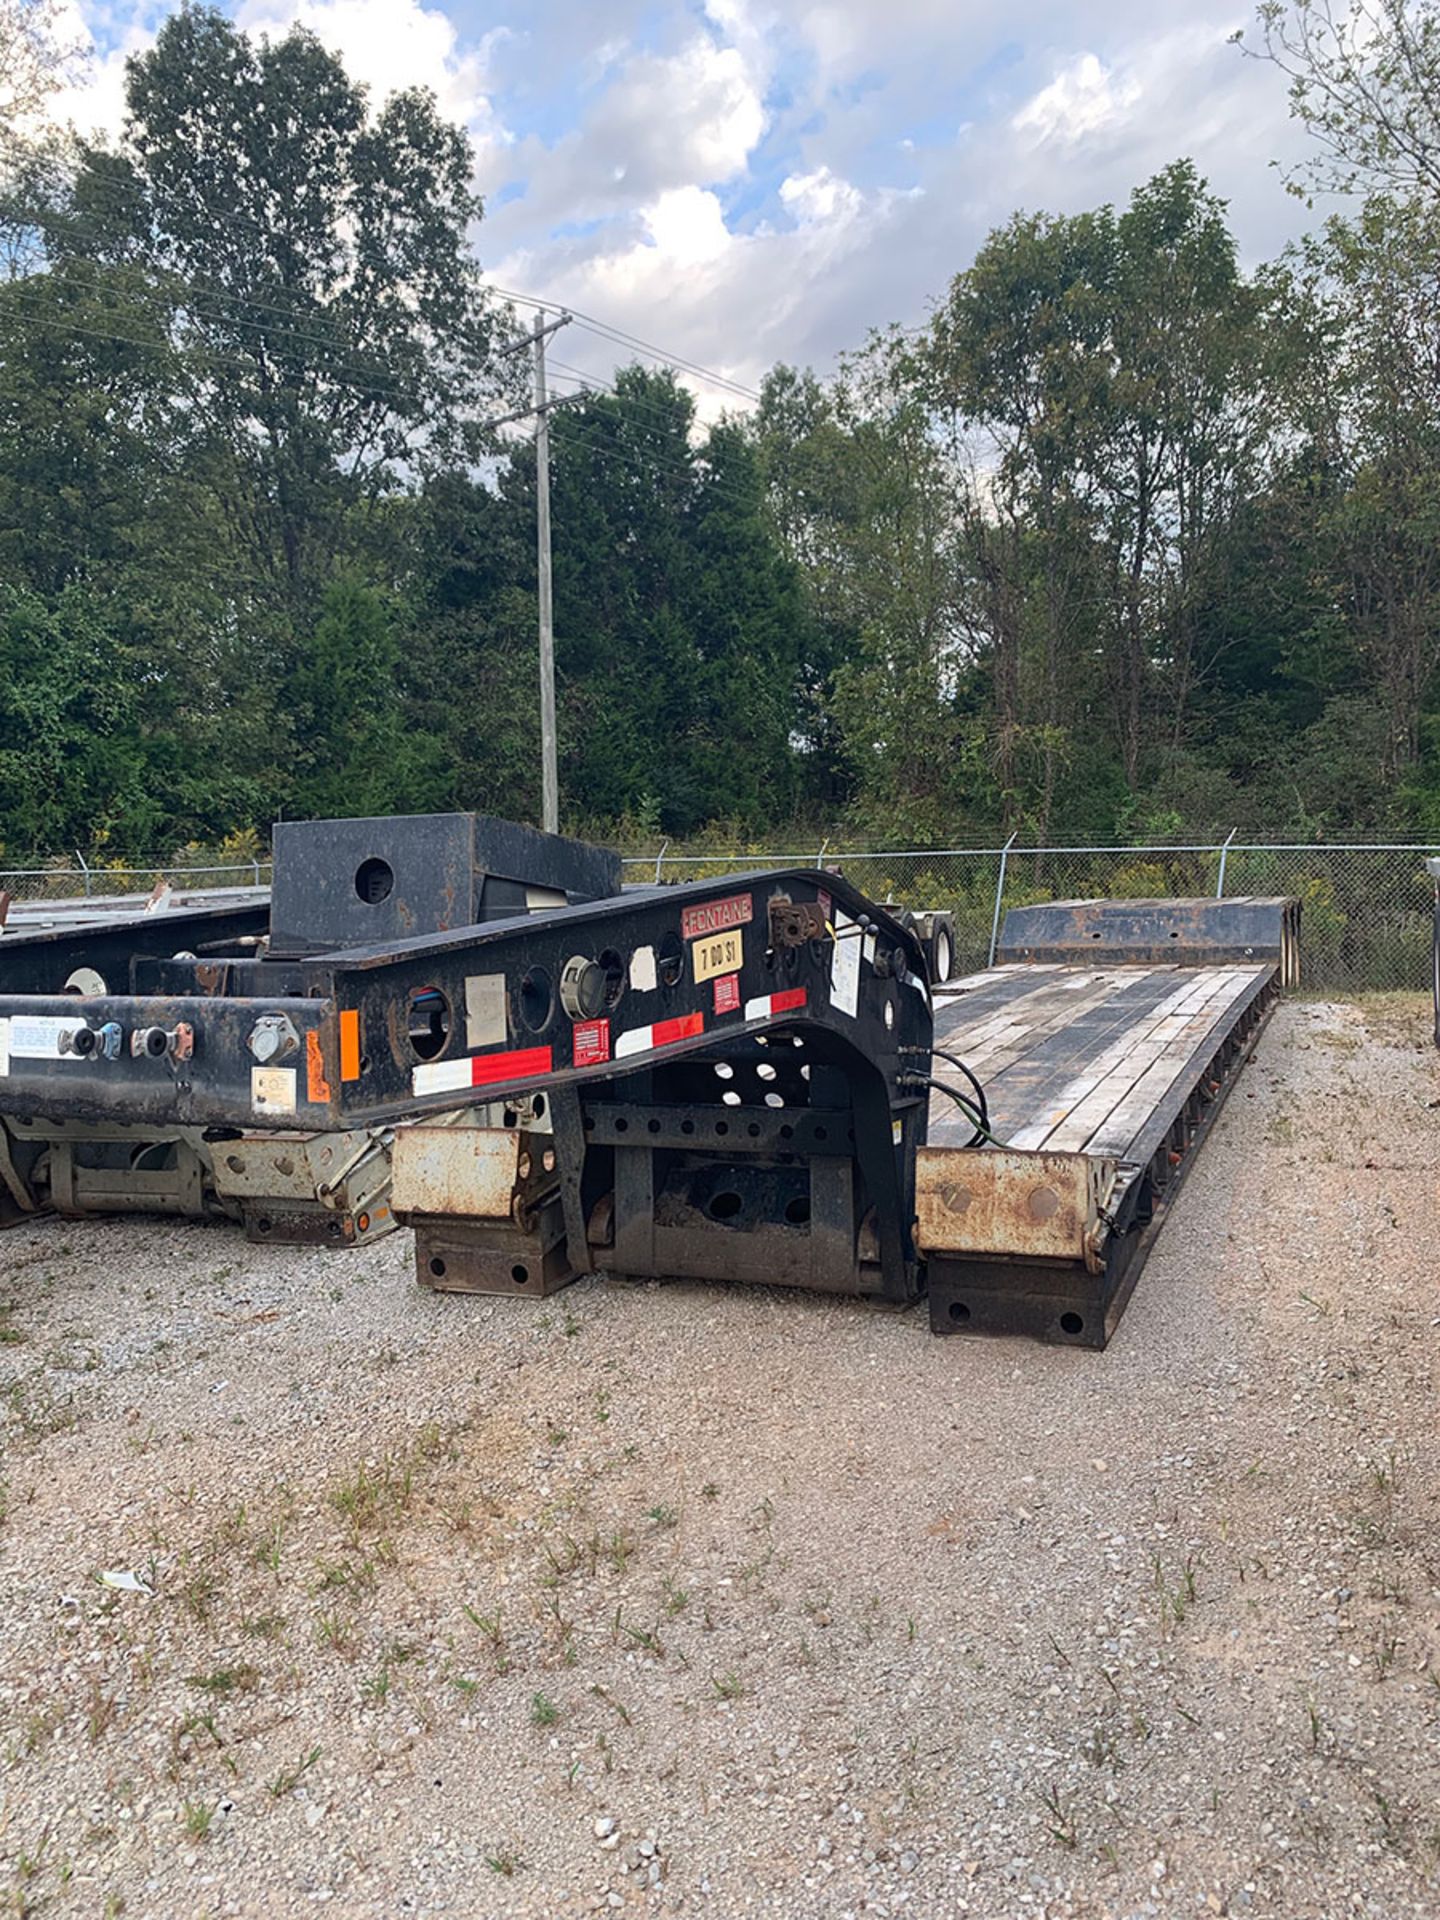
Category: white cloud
[1080,100]
[386,44]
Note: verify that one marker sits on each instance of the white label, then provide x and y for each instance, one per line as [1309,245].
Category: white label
[272,1089]
[870,948]
[642,970]
[485,1010]
[37,1036]
[845,967]
[4,1044]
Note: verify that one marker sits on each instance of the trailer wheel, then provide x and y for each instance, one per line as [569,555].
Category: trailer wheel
[943,951]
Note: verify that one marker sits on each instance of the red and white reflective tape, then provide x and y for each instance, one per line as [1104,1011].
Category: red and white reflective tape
[769,1004]
[481,1070]
[664,1033]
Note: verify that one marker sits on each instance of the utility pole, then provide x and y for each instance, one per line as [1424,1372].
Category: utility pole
[549,756]
[549,769]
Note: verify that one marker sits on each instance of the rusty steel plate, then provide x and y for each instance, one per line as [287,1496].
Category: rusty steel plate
[1039,1206]
[472,1172]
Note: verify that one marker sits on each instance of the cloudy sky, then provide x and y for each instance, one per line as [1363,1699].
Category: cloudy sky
[745,181]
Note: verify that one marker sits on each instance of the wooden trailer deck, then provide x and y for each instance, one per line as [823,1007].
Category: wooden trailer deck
[1102,1080]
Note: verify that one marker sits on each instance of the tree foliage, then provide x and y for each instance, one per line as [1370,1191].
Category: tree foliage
[1124,539]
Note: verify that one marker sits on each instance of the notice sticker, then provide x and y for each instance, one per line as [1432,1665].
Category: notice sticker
[37,1037]
[727,994]
[592,1043]
[272,1089]
[642,970]
[845,967]
[5,1044]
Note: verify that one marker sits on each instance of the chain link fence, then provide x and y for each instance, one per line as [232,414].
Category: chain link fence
[72,880]
[1366,923]
[1366,918]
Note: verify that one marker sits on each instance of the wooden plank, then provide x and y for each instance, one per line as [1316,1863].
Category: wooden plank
[1118,1132]
[1086,1101]
[1177,1029]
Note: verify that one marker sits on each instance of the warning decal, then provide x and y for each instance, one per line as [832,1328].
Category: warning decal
[592,1042]
[727,993]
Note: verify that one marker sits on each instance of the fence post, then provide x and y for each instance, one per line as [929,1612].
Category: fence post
[659,859]
[999,896]
[1224,856]
[85,870]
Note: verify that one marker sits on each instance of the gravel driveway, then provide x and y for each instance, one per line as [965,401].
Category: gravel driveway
[727,1602]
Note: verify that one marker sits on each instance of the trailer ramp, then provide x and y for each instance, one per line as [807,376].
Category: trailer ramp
[1107,1041]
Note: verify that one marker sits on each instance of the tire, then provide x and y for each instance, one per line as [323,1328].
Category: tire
[943,952]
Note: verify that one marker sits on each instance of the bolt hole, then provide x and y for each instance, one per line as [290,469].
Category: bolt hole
[265,1226]
[753,1131]
[725,1206]
[437,1267]
[622,1126]
[519,1273]
[653,1126]
[959,1312]
[797,1211]
[1071,1323]
[687,1126]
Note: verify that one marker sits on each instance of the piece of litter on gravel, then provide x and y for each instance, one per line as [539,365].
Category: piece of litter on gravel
[125,1582]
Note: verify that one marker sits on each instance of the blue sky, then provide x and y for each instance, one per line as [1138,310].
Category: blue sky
[746,181]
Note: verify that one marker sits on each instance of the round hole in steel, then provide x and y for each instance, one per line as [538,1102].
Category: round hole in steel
[537,1105]
[724,1070]
[670,960]
[547,1160]
[264,1226]
[958,1311]
[722,1126]
[622,1125]
[437,1267]
[730,1099]
[374,880]
[1071,1323]
[234,1163]
[653,1126]
[427,1022]
[797,1210]
[613,968]
[519,1273]
[725,1206]
[537,999]
[765,1070]
[787,1133]
[687,1126]
[821,1133]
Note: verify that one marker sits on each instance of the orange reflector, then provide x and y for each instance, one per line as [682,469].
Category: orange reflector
[350,1044]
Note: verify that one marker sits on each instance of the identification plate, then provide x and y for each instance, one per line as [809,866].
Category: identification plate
[719,953]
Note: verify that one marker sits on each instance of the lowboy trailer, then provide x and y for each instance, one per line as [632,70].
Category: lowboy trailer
[748,1079]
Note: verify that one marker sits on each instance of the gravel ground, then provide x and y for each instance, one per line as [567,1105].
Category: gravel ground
[725,1602]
